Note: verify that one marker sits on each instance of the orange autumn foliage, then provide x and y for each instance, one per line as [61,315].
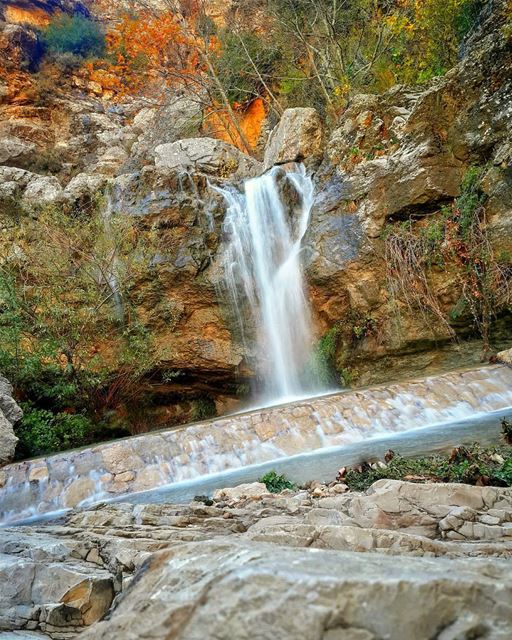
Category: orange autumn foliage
[149,52]
[144,48]
[250,120]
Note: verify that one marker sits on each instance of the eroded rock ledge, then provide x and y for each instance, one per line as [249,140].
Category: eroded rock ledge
[315,564]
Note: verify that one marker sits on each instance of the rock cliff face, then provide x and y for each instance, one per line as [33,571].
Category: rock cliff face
[401,157]
[38,12]
[392,158]
[10,413]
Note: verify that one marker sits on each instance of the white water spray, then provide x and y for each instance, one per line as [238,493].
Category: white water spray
[263,275]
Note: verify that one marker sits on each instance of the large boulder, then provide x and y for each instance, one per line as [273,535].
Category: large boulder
[178,119]
[27,190]
[298,137]
[206,155]
[227,589]
[10,413]
[39,591]
[14,150]
[505,357]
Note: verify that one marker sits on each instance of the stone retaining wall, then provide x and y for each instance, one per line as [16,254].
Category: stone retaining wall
[151,460]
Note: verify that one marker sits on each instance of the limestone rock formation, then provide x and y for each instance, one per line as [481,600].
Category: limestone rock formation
[179,118]
[245,565]
[297,138]
[250,590]
[33,12]
[401,157]
[251,490]
[505,356]
[10,413]
[206,155]
[395,157]
[413,146]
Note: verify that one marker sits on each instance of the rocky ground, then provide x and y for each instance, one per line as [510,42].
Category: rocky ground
[400,561]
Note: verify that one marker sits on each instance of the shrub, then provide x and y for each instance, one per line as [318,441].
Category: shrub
[203,408]
[41,431]
[240,55]
[470,201]
[276,483]
[468,465]
[467,17]
[54,309]
[76,35]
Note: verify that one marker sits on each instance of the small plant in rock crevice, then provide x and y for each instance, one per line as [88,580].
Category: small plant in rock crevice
[203,408]
[322,367]
[276,483]
[364,326]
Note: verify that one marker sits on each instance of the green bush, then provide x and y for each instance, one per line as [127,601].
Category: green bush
[467,17]
[76,35]
[471,200]
[41,431]
[203,408]
[276,483]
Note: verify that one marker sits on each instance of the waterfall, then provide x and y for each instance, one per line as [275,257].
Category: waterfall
[264,280]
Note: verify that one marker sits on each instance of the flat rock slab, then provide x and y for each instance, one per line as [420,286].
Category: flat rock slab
[302,564]
[226,589]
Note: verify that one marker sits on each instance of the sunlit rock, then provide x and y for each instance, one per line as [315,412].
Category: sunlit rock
[297,138]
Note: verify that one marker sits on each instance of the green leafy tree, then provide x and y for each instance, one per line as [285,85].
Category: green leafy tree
[74,34]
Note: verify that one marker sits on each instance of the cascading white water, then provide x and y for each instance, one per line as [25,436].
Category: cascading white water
[263,274]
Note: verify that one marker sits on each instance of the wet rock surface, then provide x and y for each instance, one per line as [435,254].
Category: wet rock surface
[156,459]
[245,565]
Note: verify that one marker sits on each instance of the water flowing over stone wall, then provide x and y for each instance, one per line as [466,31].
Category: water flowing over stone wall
[156,459]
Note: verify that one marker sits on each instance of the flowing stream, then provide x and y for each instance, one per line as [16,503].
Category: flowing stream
[264,280]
